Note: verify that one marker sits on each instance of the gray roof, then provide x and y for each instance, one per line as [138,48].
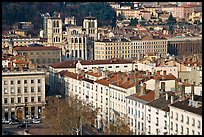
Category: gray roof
[184,105]
[161,102]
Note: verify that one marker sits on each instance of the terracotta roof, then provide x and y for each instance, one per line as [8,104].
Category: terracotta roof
[165,77]
[107,81]
[124,84]
[71,74]
[149,96]
[72,63]
[94,74]
[20,62]
[36,48]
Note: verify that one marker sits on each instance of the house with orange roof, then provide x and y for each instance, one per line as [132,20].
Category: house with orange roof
[167,82]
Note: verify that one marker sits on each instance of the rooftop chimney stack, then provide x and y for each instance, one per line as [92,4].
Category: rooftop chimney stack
[158,73]
[172,99]
[181,92]
[157,92]
[192,91]
[143,89]
[103,74]
[167,96]
[164,72]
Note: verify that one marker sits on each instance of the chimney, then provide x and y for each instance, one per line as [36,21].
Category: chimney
[103,74]
[77,76]
[166,96]
[119,74]
[181,92]
[95,70]
[158,73]
[172,99]
[143,89]
[164,72]
[157,92]
[192,91]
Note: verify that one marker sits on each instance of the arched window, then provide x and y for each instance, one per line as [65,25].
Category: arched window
[76,40]
[38,61]
[72,40]
[44,61]
[74,32]
[57,23]
[79,40]
[48,60]
[53,23]
[58,39]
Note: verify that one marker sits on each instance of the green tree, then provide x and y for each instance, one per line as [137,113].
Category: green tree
[133,22]
[171,20]
[120,17]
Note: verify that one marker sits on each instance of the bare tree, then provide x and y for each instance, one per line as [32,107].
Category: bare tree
[119,128]
[66,116]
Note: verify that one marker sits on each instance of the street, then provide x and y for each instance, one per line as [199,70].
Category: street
[8,129]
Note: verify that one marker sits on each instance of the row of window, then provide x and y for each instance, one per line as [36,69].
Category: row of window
[20,81]
[19,90]
[187,119]
[182,130]
[19,100]
[137,43]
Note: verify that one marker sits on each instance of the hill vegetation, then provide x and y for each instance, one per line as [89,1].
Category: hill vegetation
[13,12]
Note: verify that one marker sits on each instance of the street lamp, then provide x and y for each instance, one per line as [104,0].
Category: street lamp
[26,114]
[58,97]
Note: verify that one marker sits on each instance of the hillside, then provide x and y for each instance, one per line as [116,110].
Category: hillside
[30,11]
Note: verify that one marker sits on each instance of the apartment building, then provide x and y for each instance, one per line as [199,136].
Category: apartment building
[194,75]
[19,41]
[136,105]
[39,54]
[186,116]
[157,114]
[128,13]
[184,46]
[166,82]
[104,90]
[23,94]
[125,49]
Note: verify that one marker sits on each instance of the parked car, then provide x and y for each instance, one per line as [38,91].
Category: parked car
[27,121]
[6,121]
[36,121]
[14,122]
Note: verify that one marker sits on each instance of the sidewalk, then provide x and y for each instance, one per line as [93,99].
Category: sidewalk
[23,133]
[38,131]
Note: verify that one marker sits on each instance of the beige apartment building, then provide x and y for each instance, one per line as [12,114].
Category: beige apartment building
[23,94]
[135,49]
[40,55]
[21,41]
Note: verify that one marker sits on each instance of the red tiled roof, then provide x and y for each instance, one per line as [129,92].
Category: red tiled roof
[71,74]
[166,77]
[36,48]
[20,62]
[149,96]
[94,74]
[72,63]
